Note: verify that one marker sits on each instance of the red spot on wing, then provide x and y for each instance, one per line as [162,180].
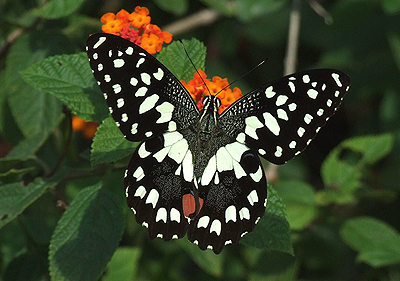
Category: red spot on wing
[189,204]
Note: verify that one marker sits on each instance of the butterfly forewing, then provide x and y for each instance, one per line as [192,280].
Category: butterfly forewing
[144,97]
[280,119]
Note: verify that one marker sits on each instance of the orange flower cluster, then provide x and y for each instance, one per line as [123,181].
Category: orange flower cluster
[136,27]
[87,128]
[217,85]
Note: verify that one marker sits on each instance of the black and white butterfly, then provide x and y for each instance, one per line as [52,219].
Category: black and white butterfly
[202,157]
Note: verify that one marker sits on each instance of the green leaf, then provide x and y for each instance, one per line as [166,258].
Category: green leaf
[58,8]
[394,41]
[372,148]
[175,59]
[88,234]
[70,79]
[391,6]
[176,7]
[299,199]
[34,111]
[251,9]
[15,197]
[123,265]
[272,231]
[206,260]
[225,7]
[378,243]
[14,175]
[341,178]
[109,145]
[28,147]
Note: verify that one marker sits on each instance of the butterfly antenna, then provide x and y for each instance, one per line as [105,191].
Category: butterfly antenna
[197,71]
[243,75]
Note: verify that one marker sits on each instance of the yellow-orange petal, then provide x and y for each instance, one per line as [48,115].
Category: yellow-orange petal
[112,27]
[122,15]
[78,124]
[107,17]
[90,131]
[150,43]
[142,10]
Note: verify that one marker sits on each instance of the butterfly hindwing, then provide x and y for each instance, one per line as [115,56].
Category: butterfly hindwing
[280,119]
[144,97]
[236,194]
[157,175]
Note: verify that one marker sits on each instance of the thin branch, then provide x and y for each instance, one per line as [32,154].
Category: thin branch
[201,18]
[293,39]
[317,7]
[289,65]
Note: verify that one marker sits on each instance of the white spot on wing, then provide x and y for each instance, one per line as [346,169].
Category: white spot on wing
[209,171]
[203,222]
[175,215]
[224,160]
[300,131]
[140,192]
[141,92]
[98,43]
[252,197]
[292,106]
[252,124]
[244,213]
[138,174]
[257,175]
[308,118]
[118,63]
[134,128]
[148,103]
[152,198]
[278,152]
[216,227]
[187,165]
[117,88]
[145,78]
[178,150]
[165,110]
[282,114]
[292,86]
[120,102]
[161,215]
[159,74]
[124,117]
[312,93]
[140,61]
[129,51]
[230,214]
[337,80]
[133,81]
[306,78]
[281,100]
[271,123]
[269,93]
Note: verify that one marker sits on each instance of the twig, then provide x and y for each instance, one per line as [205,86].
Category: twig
[201,18]
[289,66]
[317,7]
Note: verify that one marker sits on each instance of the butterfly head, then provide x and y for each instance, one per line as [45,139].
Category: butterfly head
[211,104]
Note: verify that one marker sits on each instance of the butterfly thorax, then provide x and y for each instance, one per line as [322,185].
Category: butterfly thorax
[208,122]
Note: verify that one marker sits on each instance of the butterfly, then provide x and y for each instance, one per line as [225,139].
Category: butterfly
[198,171]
